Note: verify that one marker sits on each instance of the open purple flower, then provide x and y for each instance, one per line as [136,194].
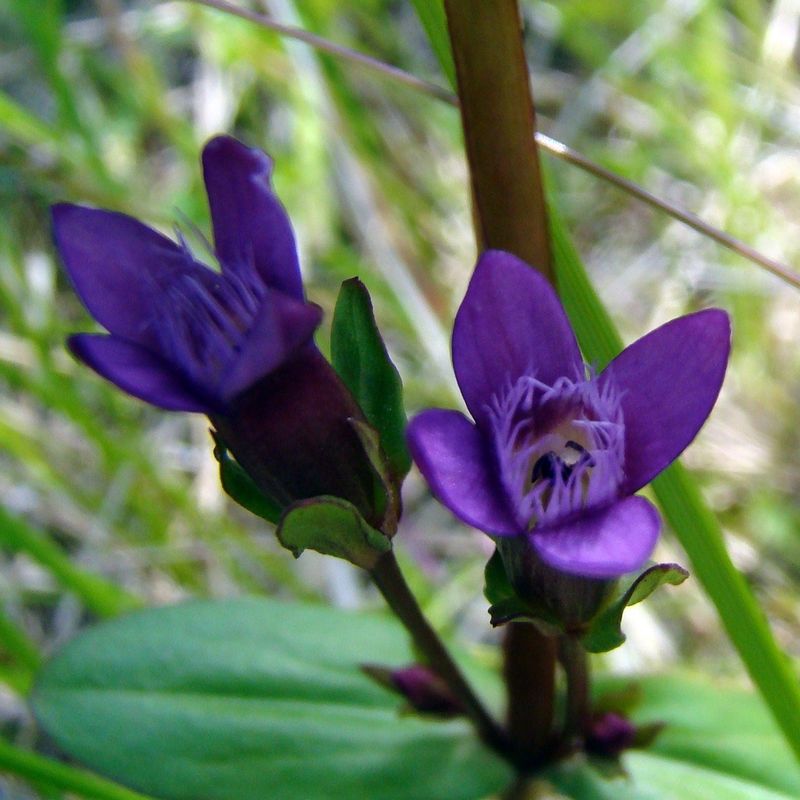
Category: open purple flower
[556,453]
[183,336]
[235,343]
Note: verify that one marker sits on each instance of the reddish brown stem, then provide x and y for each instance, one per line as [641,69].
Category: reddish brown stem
[499,125]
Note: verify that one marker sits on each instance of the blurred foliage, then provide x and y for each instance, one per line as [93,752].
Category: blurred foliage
[107,503]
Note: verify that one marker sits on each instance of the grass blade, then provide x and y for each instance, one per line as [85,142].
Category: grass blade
[687,513]
[55,775]
[101,596]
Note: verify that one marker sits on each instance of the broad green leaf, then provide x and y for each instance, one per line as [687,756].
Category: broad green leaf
[605,632]
[651,777]
[334,527]
[241,488]
[251,699]
[359,356]
[720,728]
[718,742]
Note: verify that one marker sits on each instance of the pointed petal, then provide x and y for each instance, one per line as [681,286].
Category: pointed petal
[510,324]
[452,456]
[282,325]
[251,228]
[137,372]
[602,544]
[117,265]
[669,381]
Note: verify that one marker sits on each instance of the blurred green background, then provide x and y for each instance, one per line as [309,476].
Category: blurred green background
[106,503]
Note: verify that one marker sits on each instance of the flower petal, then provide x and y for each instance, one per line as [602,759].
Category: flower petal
[602,544]
[510,324]
[451,454]
[137,372]
[281,326]
[669,381]
[251,228]
[117,266]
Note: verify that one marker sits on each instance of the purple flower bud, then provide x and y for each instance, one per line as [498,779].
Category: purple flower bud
[609,734]
[234,343]
[555,454]
[425,690]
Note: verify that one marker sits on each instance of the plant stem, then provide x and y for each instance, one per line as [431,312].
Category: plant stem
[576,667]
[529,672]
[392,585]
[499,126]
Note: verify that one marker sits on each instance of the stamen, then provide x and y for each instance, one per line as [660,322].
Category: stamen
[203,318]
[560,448]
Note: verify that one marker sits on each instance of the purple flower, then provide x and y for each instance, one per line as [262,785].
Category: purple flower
[235,343]
[183,336]
[556,453]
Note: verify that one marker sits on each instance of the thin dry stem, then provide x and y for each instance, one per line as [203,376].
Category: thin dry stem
[547,143]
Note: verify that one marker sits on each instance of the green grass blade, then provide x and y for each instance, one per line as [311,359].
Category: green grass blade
[17,644]
[27,128]
[687,513]
[431,15]
[101,596]
[40,770]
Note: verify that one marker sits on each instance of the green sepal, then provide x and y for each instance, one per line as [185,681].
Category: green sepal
[390,502]
[507,606]
[605,633]
[333,527]
[359,356]
[241,488]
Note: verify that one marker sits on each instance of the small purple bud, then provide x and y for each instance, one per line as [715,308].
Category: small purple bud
[425,691]
[609,734]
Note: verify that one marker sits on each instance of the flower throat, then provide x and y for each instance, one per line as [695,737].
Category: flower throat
[559,448]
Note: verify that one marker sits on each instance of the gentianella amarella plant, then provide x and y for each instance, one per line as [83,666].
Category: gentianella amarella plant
[548,467]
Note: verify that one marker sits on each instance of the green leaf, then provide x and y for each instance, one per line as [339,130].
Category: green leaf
[359,356]
[390,501]
[650,777]
[605,633]
[431,15]
[334,527]
[686,512]
[250,699]
[496,587]
[241,488]
[506,606]
[717,743]
[720,728]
